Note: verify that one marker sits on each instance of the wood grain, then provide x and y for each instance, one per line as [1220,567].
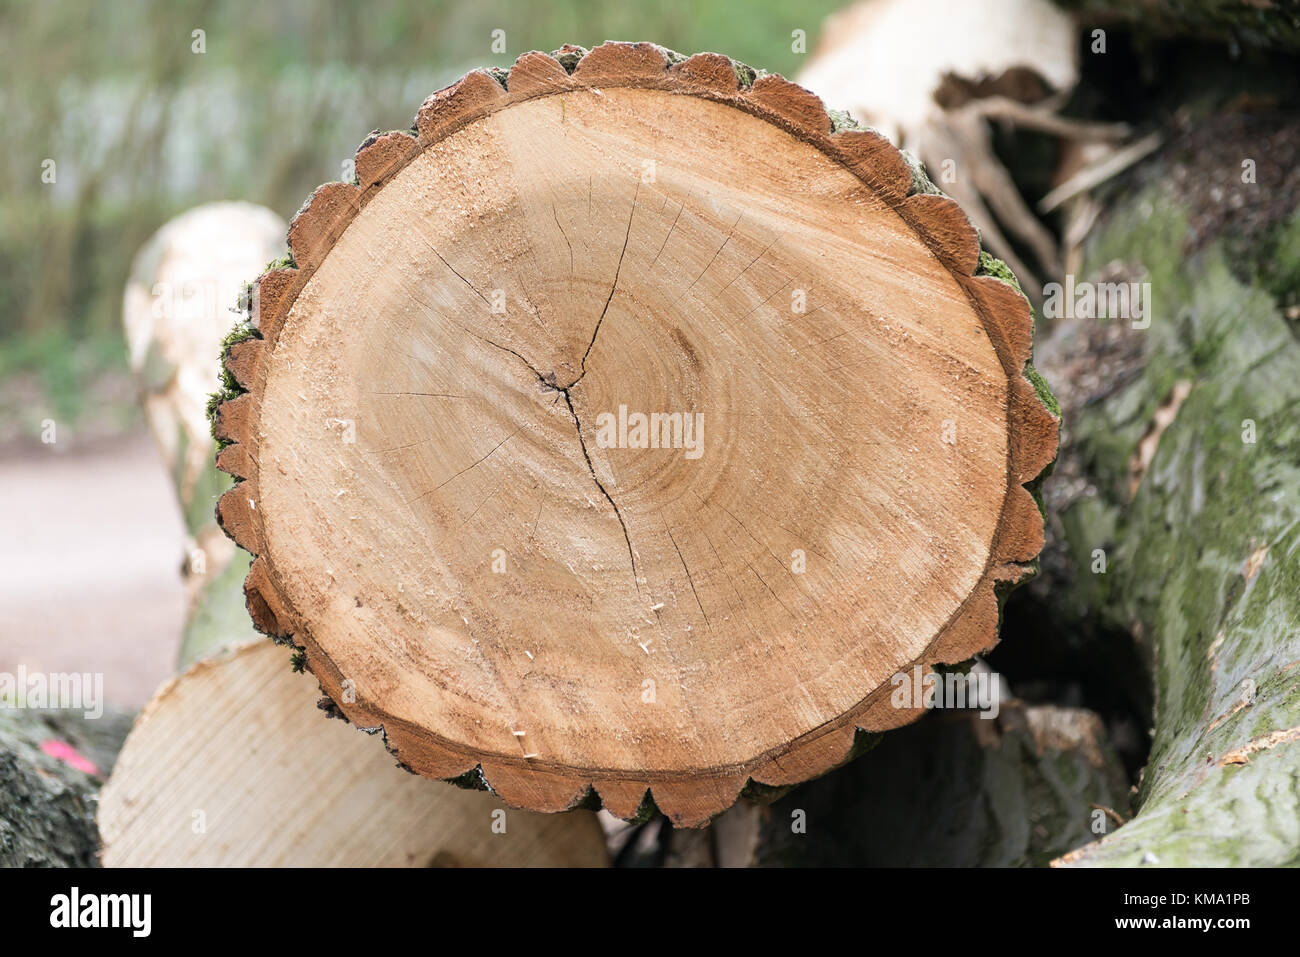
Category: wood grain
[231,765]
[444,530]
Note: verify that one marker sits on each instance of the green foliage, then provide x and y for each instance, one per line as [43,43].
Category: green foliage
[142,127]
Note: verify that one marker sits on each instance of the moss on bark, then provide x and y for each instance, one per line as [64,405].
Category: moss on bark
[1204,571]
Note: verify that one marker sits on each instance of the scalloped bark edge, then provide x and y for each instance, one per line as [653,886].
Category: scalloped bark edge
[688,799]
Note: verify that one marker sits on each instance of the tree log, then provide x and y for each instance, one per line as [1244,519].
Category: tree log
[461,517]
[231,765]
[221,751]
[1177,498]
[177,310]
[51,767]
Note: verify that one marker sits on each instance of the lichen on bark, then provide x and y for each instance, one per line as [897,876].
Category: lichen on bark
[1205,566]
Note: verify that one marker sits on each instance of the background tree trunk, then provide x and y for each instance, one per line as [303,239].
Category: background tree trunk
[1175,509]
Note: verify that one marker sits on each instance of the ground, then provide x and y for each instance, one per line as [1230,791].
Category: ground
[90,575]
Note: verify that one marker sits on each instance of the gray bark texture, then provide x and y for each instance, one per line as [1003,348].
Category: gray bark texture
[1175,510]
[47,806]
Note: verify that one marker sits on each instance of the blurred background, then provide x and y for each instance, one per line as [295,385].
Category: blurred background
[1108,140]
[140,127]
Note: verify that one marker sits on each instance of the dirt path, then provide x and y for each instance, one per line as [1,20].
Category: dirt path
[91,545]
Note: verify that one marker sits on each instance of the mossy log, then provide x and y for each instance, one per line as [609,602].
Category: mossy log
[1176,505]
[473,558]
[1257,23]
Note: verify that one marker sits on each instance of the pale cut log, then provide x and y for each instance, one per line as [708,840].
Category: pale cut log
[232,766]
[476,554]
[180,303]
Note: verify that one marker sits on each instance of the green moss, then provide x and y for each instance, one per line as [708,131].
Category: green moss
[241,332]
[745,74]
[672,56]
[990,265]
[569,59]
[1208,501]
[215,401]
[646,810]
[230,389]
[1043,389]
[841,121]
[471,780]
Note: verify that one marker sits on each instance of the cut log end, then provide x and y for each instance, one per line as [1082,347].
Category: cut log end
[253,778]
[632,434]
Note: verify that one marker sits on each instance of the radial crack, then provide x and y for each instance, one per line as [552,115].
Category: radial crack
[595,478]
[612,289]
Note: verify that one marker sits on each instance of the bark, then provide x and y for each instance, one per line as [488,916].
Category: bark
[51,766]
[954,790]
[1175,511]
[1264,25]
